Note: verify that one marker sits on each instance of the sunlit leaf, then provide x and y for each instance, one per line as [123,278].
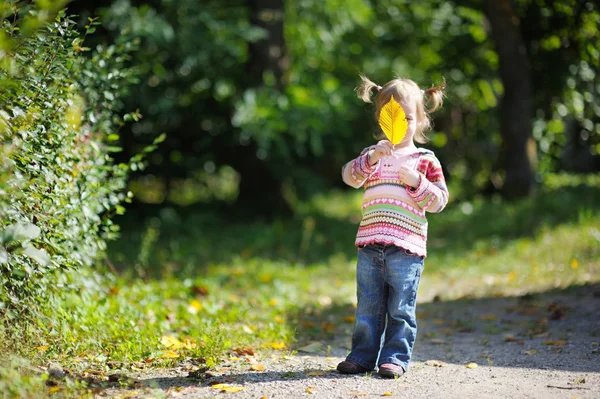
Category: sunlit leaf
[169,355]
[275,345]
[392,120]
[170,341]
[258,367]
[471,365]
[555,342]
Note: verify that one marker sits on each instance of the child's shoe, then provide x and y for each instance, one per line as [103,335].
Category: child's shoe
[349,367]
[390,370]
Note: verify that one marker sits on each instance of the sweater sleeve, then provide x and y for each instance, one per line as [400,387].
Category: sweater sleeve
[432,193]
[356,172]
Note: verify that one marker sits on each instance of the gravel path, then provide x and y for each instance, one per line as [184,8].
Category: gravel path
[540,346]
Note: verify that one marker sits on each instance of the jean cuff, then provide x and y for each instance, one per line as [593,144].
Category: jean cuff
[361,362]
[395,361]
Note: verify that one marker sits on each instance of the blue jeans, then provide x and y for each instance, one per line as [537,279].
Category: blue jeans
[387,283]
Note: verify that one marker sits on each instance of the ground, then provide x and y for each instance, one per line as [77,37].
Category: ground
[544,345]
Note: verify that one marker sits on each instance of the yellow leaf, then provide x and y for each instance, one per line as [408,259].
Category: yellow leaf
[275,345]
[392,120]
[315,373]
[308,390]
[170,342]
[54,389]
[556,342]
[487,317]
[42,348]
[169,355]
[472,365]
[258,367]
[387,394]
[512,276]
[574,264]
[232,389]
[273,302]
[220,386]
[279,319]
[195,306]
[349,319]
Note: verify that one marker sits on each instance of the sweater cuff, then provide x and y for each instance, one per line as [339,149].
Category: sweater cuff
[363,166]
[416,192]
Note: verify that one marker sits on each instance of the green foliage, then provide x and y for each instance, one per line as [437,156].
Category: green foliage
[59,121]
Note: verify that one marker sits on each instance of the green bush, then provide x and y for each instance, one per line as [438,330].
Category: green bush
[59,124]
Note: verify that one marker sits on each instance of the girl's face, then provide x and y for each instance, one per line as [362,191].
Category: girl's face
[410,109]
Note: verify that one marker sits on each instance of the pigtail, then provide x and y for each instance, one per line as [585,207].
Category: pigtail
[365,88]
[436,96]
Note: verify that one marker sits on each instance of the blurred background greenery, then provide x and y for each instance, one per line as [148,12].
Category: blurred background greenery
[256,97]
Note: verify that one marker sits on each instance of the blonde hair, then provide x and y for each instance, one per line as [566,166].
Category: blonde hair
[405,90]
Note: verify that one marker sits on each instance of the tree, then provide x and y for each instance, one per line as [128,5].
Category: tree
[516,104]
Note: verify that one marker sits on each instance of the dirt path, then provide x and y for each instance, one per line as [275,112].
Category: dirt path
[540,346]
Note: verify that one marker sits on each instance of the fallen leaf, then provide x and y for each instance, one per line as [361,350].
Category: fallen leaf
[435,363]
[232,389]
[54,389]
[42,348]
[247,330]
[487,317]
[275,345]
[358,394]
[273,302]
[387,394]
[309,391]
[170,341]
[169,355]
[439,322]
[313,347]
[349,319]
[530,352]
[555,342]
[327,327]
[279,320]
[258,367]
[510,338]
[472,365]
[195,306]
[437,341]
[245,351]
[574,264]
[315,373]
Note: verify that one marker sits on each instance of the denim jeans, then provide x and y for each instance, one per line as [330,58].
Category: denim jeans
[387,283]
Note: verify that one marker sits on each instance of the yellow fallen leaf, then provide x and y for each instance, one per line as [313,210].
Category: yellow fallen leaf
[511,276]
[357,394]
[273,302]
[510,338]
[170,341]
[387,394]
[555,342]
[574,264]
[232,389]
[437,341]
[487,317]
[54,389]
[471,365]
[195,306]
[258,367]
[247,329]
[435,363]
[219,386]
[349,319]
[279,320]
[42,348]
[275,345]
[169,355]
[315,373]
[308,390]
[530,352]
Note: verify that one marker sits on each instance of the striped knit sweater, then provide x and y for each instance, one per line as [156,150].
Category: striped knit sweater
[393,213]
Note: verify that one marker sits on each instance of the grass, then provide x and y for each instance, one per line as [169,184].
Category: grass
[190,289]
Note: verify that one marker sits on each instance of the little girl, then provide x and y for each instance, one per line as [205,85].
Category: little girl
[401,182]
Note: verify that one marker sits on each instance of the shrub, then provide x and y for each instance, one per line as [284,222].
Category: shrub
[59,124]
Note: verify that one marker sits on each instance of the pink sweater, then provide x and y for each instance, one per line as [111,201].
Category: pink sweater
[392,212]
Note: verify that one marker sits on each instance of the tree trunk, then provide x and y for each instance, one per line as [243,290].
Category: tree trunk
[260,190]
[518,150]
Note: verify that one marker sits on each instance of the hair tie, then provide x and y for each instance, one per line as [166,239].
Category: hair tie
[378,88]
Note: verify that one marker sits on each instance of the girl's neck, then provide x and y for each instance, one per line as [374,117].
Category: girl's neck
[409,145]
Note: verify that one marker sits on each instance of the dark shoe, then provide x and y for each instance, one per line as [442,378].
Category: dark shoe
[390,370]
[349,367]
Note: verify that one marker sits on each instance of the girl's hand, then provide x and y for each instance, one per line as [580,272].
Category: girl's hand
[382,149]
[409,177]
